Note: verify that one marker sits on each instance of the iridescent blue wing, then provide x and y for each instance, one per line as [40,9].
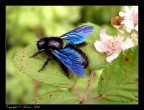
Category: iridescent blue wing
[77,35]
[71,60]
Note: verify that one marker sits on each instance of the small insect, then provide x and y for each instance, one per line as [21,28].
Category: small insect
[71,56]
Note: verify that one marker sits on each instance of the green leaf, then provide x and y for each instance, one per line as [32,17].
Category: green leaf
[57,97]
[52,74]
[119,80]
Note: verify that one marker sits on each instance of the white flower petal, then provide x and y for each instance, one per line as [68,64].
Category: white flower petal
[112,57]
[104,36]
[128,24]
[135,8]
[136,28]
[99,46]
[130,18]
[122,14]
[119,38]
[127,44]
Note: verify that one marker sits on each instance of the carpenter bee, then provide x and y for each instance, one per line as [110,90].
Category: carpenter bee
[71,56]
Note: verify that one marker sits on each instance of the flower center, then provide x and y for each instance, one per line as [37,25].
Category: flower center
[116,20]
[113,46]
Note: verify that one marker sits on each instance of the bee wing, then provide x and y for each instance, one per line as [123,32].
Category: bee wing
[71,60]
[77,35]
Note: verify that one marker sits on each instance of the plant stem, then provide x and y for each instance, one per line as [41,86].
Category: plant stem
[83,99]
[36,84]
[89,84]
[94,98]
[75,90]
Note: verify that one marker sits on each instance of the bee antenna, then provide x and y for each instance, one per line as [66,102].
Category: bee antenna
[36,34]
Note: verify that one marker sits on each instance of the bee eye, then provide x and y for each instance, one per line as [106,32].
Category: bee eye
[41,43]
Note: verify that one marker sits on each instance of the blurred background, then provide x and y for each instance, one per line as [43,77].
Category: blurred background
[23,21]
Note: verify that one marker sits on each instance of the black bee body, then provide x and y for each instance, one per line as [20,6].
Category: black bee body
[53,43]
[71,56]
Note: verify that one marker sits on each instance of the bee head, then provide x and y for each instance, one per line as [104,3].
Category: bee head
[41,44]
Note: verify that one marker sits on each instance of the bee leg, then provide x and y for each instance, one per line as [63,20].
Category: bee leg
[82,44]
[46,62]
[35,54]
[64,68]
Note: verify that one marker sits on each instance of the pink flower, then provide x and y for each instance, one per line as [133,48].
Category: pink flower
[112,46]
[130,18]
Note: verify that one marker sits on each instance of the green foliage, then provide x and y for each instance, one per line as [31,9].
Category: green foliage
[57,97]
[19,88]
[53,73]
[21,22]
[114,86]
[119,80]
[99,15]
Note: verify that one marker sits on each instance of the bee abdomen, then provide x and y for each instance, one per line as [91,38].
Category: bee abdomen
[83,57]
